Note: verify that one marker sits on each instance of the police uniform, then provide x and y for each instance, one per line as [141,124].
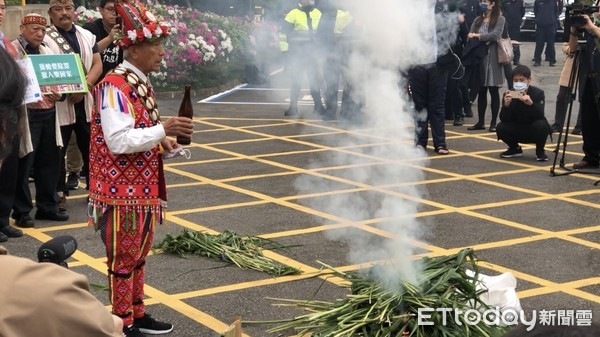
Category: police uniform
[300,26]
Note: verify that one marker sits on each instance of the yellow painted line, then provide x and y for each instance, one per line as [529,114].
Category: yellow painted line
[309,230]
[535,292]
[245,285]
[564,288]
[63,227]
[267,125]
[493,219]
[379,232]
[157,295]
[523,190]
[257,176]
[188,184]
[446,173]
[209,131]
[150,291]
[207,161]
[217,207]
[582,230]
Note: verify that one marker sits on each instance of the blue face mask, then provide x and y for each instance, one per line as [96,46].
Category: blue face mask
[520,86]
[484,7]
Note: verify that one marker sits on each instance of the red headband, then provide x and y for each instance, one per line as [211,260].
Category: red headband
[33,20]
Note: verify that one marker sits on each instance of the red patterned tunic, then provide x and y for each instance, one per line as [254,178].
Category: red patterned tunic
[125,183]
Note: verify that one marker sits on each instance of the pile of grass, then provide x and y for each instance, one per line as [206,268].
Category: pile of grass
[244,252]
[374,310]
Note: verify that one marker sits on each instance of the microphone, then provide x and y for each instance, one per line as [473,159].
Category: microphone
[57,250]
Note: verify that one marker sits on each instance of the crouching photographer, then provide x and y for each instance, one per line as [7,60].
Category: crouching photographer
[583,24]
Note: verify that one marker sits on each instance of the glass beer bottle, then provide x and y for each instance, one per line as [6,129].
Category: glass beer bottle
[185,110]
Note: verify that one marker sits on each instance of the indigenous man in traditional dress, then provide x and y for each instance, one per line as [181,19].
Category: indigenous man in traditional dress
[127,185]
[65,37]
[45,135]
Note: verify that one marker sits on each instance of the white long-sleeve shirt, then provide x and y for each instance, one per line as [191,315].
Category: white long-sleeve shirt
[118,123]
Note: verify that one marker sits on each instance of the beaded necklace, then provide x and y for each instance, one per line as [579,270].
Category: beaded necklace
[145,93]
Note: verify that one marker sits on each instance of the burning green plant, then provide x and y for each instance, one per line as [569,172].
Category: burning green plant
[374,309]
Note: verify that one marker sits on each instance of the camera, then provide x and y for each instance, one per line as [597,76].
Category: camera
[575,12]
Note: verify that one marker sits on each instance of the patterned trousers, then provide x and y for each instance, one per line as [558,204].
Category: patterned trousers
[128,239]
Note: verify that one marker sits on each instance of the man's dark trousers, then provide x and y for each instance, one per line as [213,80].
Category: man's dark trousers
[428,86]
[45,160]
[545,35]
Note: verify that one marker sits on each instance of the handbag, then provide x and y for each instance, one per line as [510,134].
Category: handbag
[505,49]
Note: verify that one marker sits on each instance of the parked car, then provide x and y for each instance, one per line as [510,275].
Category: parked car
[528,23]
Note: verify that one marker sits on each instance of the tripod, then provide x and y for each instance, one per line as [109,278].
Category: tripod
[572,87]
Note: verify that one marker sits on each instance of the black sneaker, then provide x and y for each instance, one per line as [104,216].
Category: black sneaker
[3,237]
[72,181]
[150,326]
[132,331]
[23,220]
[541,156]
[512,153]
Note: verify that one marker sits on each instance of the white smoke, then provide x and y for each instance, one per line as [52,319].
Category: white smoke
[393,35]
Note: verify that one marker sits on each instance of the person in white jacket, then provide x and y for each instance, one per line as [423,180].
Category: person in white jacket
[45,136]
[64,37]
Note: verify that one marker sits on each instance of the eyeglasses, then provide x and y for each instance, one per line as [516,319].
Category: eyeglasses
[3,8]
[67,8]
[109,9]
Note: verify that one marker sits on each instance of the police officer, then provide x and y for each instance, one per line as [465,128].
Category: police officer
[329,36]
[300,25]
[546,16]
[471,10]
[514,10]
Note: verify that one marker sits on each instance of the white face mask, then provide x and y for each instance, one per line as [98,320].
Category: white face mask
[520,86]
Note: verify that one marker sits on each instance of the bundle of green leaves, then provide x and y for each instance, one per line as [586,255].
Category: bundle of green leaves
[374,309]
[244,252]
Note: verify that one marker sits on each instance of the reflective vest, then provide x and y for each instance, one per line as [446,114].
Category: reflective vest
[303,28]
[283,45]
[342,19]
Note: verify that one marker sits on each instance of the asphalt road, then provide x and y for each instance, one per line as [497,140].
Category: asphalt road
[246,163]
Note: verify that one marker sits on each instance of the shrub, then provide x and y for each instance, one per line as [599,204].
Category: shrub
[204,49]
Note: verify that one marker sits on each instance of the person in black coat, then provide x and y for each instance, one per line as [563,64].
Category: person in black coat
[458,104]
[513,11]
[427,81]
[589,84]
[522,117]
[471,10]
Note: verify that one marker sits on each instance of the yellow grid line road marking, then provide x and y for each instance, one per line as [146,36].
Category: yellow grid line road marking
[217,207]
[557,287]
[549,233]
[435,204]
[157,295]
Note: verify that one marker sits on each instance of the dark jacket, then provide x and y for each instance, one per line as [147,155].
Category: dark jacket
[547,11]
[590,63]
[450,41]
[473,53]
[471,10]
[513,11]
[521,113]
